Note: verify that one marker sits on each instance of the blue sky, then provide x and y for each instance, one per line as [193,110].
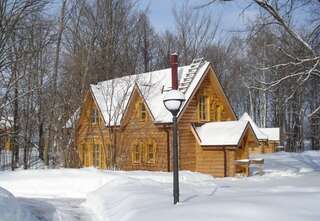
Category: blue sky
[229,13]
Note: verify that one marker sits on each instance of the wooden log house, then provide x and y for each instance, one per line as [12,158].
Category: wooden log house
[269,138]
[123,122]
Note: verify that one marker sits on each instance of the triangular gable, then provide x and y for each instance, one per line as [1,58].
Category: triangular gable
[111,97]
[196,84]
[79,113]
[135,91]
[246,118]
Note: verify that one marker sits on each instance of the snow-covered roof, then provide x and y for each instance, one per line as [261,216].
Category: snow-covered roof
[272,133]
[113,95]
[223,133]
[260,135]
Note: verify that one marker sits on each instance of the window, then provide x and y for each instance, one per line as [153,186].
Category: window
[96,155]
[109,154]
[136,153]
[204,108]
[141,111]
[219,110]
[151,152]
[83,154]
[94,116]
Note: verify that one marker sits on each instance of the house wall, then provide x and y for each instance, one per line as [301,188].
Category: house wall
[271,148]
[133,131]
[258,149]
[262,147]
[187,142]
[243,151]
[211,160]
[88,134]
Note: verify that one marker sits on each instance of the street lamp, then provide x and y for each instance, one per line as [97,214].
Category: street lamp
[173,101]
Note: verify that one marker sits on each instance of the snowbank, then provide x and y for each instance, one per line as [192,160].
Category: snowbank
[64,183]
[288,191]
[11,210]
[130,194]
[290,164]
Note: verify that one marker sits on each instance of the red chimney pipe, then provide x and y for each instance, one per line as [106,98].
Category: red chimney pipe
[174,71]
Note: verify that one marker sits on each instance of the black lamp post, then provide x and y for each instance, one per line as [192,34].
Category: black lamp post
[173,101]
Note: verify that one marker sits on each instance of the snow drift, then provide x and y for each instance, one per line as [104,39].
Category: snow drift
[12,210]
[288,191]
[131,193]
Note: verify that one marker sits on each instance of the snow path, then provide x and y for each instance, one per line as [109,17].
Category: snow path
[57,209]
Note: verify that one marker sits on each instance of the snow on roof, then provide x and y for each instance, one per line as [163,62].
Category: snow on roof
[272,133]
[260,135]
[113,95]
[221,133]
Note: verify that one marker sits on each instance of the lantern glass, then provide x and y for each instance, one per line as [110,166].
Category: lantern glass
[173,101]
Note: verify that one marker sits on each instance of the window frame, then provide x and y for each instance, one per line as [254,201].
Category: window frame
[83,153]
[94,116]
[96,158]
[136,153]
[203,108]
[151,144]
[218,112]
[142,111]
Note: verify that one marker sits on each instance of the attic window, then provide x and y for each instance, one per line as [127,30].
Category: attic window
[94,116]
[141,111]
[219,110]
[204,108]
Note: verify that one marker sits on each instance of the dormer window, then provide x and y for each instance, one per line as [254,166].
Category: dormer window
[94,116]
[204,108]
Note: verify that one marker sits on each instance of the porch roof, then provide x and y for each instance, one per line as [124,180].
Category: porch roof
[272,133]
[225,133]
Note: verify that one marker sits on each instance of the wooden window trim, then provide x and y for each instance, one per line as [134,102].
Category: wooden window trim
[142,111]
[136,153]
[203,108]
[219,112]
[94,116]
[96,152]
[153,146]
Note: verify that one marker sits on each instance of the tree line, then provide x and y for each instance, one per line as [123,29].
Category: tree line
[51,51]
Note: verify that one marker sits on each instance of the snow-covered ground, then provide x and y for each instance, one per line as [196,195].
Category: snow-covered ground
[289,190]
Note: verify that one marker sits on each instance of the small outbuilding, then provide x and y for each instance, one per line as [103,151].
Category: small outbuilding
[269,138]
[223,147]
